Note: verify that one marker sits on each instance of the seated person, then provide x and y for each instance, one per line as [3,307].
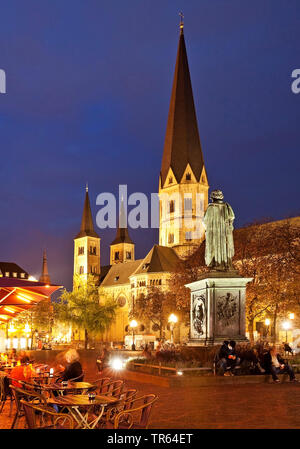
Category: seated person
[275,364]
[21,372]
[73,369]
[228,359]
[287,348]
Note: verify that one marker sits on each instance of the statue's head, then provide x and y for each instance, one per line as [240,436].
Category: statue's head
[216,195]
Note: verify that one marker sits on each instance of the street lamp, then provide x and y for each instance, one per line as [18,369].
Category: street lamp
[286,326]
[133,324]
[172,320]
[267,323]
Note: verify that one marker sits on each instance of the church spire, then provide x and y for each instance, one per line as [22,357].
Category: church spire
[45,275]
[122,235]
[182,143]
[87,226]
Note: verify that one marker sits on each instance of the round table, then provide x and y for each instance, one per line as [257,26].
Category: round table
[75,403]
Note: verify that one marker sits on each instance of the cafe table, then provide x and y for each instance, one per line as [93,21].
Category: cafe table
[80,406]
[62,388]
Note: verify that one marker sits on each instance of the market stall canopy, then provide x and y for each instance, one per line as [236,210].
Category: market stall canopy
[17,295]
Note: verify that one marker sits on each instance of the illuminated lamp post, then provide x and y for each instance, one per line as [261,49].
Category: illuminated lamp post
[286,326]
[267,323]
[172,320]
[133,324]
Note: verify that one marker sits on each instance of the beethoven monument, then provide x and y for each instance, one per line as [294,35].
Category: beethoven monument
[218,297]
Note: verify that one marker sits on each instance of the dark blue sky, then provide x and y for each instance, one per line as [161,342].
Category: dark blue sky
[88,90]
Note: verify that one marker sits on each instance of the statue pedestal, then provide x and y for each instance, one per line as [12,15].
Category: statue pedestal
[218,308]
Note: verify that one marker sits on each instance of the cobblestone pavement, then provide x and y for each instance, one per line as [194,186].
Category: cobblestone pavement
[220,407]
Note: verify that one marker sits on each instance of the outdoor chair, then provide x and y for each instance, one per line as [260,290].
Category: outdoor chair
[58,420]
[135,417]
[102,384]
[19,394]
[5,392]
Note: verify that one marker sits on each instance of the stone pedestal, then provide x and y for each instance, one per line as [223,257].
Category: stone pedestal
[218,308]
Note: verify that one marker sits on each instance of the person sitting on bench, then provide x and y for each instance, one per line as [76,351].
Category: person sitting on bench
[275,364]
[228,358]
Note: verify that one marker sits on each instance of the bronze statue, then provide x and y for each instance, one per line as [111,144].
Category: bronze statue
[218,222]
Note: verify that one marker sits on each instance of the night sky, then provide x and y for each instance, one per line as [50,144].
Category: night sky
[88,90]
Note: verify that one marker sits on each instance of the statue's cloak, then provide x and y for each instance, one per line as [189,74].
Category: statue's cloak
[218,222]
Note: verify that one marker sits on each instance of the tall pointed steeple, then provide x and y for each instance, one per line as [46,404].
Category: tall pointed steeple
[182,143]
[45,275]
[122,247]
[86,245]
[87,226]
[122,235]
[183,186]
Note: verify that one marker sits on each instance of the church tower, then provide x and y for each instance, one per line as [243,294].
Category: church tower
[87,245]
[183,186]
[45,275]
[122,248]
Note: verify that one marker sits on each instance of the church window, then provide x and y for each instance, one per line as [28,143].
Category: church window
[121,301]
[171,238]
[203,179]
[80,250]
[188,235]
[188,177]
[159,282]
[93,250]
[117,278]
[128,254]
[170,180]
[188,204]
[117,255]
[171,206]
[81,270]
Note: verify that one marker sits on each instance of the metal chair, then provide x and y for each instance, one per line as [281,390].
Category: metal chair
[135,417]
[5,392]
[19,394]
[114,388]
[59,420]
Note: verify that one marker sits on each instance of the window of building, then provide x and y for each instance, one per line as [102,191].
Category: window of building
[7,274]
[92,250]
[81,270]
[128,254]
[171,238]
[80,250]
[15,274]
[170,180]
[171,206]
[22,275]
[117,255]
[121,301]
[188,235]
[188,204]
[117,278]
[188,177]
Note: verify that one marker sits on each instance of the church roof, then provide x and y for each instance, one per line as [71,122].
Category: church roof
[159,259]
[87,226]
[119,273]
[182,142]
